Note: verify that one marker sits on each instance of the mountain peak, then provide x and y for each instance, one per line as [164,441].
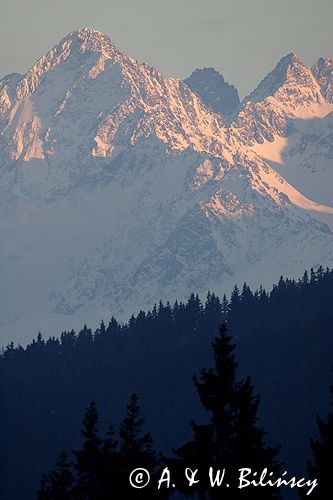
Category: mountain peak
[86,31]
[91,40]
[323,73]
[291,91]
[214,91]
[289,68]
[211,72]
[89,35]
[290,59]
[82,47]
[94,143]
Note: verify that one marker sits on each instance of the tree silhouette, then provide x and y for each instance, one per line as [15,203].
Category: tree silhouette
[110,473]
[43,492]
[320,467]
[58,485]
[48,380]
[88,464]
[102,466]
[136,450]
[232,439]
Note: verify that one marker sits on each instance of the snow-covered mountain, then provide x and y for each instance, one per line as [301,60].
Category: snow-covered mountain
[119,188]
[288,121]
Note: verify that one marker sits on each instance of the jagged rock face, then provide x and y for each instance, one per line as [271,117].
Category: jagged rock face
[122,103]
[214,91]
[289,74]
[323,72]
[119,188]
[288,93]
[288,121]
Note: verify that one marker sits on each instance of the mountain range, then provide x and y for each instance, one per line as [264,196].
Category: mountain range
[120,188]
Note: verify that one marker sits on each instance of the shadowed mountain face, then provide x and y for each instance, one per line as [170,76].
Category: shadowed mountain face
[119,188]
[323,71]
[214,91]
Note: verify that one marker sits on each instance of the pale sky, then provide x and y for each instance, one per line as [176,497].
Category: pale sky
[243,39]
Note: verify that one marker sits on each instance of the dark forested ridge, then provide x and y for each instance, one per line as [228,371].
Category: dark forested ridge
[102,468]
[284,342]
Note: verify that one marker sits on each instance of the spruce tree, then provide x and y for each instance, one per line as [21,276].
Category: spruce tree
[43,492]
[110,465]
[225,307]
[320,467]
[232,439]
[136,451]
[58,485]
[102,467]
[136,447]
[88,464]
[212,312]
[61,480]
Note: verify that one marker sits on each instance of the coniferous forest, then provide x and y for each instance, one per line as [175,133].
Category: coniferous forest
[261,362]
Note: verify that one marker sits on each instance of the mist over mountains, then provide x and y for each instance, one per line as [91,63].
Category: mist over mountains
[119,188]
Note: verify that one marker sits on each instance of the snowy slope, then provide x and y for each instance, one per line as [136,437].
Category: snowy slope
[119,188]
[288,121]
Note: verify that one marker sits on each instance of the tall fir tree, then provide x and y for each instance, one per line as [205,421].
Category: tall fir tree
[59,484]
[136,451]
[320,467]
[212,313]
[233,438]
[89,459]
[110,471]
[43,492]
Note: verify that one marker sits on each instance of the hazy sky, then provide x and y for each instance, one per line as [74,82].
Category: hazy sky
[243,39]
